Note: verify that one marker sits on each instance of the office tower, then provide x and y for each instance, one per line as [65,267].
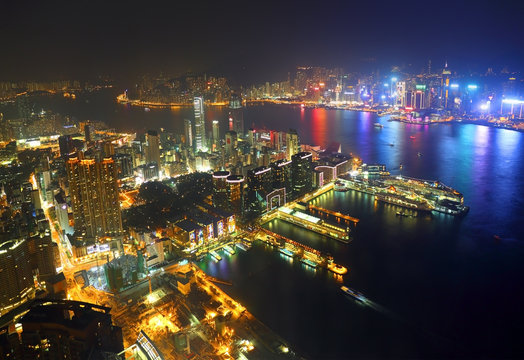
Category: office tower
[65,144]
[16,278]
[152,148]
[200,125]
[188,133]
[216,132]
[282,178]
[235,193]
[259,185]
[231,142]
[292,143]
[236,115]
[94,196]
[302,169]
[62,329]
[220,189]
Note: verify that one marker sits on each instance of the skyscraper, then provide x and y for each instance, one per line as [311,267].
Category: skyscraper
[200,125]
[216,132]
[302,167]
[152,147]
[65,143]
[188,133]
[94,196]
[236,115]
[292,143]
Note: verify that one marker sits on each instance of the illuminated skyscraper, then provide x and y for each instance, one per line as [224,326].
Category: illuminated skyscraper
[188,132]
[94,196]
[152,147]
[216,132]
[200,125]
[302,167]
[236,115]
[292,143]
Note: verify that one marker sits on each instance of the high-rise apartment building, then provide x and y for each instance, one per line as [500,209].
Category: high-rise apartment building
[94,196]
[200,124]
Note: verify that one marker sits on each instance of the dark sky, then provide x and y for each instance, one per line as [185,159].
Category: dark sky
[253,39]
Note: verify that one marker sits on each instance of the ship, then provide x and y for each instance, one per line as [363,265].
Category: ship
[419,154]
[309,263]
[337,269]
[412,137]
[229,250]
[243,246]
[354,294]
[215,255]
[286,252]
[378,125]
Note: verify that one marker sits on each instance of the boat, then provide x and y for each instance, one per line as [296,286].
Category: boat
[401,214]
[391,144]
[378,125]
[147,109]
[309,263]
[497,238]
[229,250]
[412,137]
[419,154]
[243,246]
[215,255]
[354,294]
[286,252]
[337,269]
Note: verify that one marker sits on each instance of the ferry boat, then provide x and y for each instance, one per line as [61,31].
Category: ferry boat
[378,125]
[419,154]
[309,263]
[215,255]
[354,294]
[229,250]
[337,269]
[286,252]
[243,246]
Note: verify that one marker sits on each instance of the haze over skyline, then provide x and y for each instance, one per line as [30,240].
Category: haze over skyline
[252,41]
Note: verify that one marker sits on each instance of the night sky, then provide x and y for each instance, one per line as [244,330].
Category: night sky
[254,40]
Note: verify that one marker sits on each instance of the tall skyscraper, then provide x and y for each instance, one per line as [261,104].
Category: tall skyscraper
[152,148]
[15,273]
[89,132]
[302,168]
[236,115]
[200,124]
[188,133]
[94,196]
[292,143]
[282,175]
[231,142]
